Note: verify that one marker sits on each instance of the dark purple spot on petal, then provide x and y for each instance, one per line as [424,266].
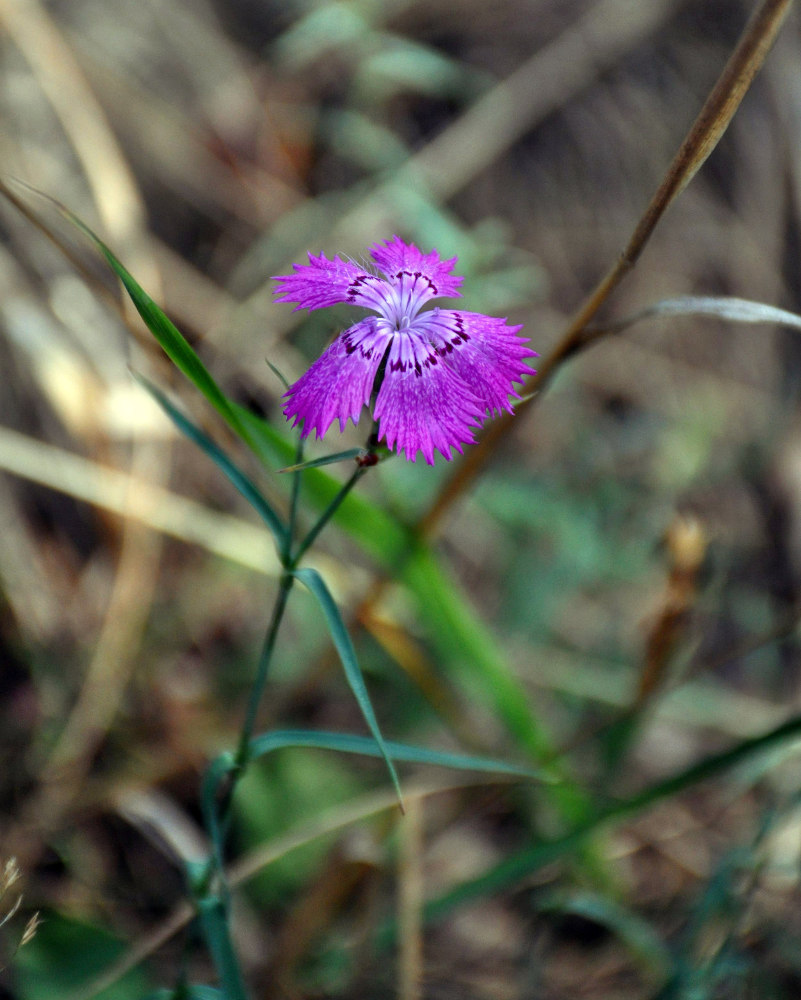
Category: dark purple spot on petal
[355,286]
[419,274]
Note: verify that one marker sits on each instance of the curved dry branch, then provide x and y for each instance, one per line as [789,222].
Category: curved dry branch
[706,131]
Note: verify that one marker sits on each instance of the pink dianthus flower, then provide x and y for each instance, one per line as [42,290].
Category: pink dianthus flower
[439,371]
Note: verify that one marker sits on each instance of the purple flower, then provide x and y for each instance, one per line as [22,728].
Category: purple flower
[437,372]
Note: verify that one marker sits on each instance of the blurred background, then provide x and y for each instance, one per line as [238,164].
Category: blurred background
[631,556]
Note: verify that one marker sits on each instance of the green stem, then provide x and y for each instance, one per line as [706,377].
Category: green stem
[369,459]
[297,478]
[212,908]
[256,692]
[327,514]
[213,918]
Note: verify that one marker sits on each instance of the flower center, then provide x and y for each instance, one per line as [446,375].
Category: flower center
[405,294]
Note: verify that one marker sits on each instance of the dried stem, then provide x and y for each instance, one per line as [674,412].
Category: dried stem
[706,131]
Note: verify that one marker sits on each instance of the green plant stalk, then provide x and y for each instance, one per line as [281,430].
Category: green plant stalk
[212,911]
[341,495]
[217,812]
[327,514]
[286,549]
[284,588]
[260,681]
[243,753]
[213,918]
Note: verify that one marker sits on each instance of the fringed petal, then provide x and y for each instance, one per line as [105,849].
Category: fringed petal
[423,405]
[484,351]
[324,282]
[424,275]
[445,369]
[340,381]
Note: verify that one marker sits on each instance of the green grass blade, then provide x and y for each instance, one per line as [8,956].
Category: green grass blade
[468,649]
[172,341]
[235,476]
[311,579]
[367,746]
[526,862]
[316,463]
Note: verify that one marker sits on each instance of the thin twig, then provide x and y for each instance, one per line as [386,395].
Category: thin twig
[703,136]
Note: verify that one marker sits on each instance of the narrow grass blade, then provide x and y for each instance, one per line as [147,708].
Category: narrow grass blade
[367,746]
[466,646]
[729,308]
[315,463]
[311,579]
[172,341]
[235,476]
[278,373]
[531,859]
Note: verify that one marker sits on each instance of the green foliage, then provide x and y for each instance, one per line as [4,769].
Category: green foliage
[65,953]
[188,993]
[276,793]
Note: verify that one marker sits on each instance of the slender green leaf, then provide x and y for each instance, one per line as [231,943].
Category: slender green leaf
[172,341]
[367,746]
[278,373]
[315,463]
[236,477]
[524,863]
[311,579]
